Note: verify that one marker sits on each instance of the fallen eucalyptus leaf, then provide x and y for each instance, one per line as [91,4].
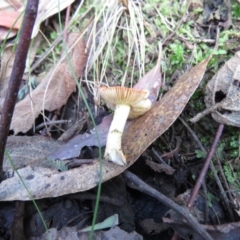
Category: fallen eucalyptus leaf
[140,133]
[25,151]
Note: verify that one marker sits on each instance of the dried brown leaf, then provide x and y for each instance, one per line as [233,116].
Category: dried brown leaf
[152,81]
[160,167]
[10,19]
[7,59]
[53,91]
[140,133]
[25,151]
[226,83]
[47,9]
[143,131]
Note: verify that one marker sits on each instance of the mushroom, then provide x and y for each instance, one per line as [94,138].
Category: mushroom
[127,103]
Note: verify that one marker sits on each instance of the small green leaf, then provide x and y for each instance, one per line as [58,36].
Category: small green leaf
[200,154]
[107,223]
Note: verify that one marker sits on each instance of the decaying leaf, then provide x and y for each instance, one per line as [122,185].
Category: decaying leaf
[223,94]
[7,59]
[73,147]
[10,19]
[9,12]
[54,89]
[160,167]
[152,81]
[4,33]
[68,233]
[47,9]
[25,151]
[140,133]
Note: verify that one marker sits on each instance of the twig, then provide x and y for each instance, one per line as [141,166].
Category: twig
[202,148]
[223,193]
[205,166]
[51,123]
[17,73]
[134,182]
[89,196]
[193,135]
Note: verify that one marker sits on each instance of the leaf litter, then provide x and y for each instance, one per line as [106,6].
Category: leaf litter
[71,232]
[89,137]
[7,59]
[54,89]
[223,94]
[138,135]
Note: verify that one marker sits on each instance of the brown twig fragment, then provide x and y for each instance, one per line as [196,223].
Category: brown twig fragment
[212,167]
[205,166]
[17,73]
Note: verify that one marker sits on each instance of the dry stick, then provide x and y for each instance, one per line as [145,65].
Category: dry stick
[52,122]
[134,182]
[223,193]
[205,166]
[202,148]
[17,73]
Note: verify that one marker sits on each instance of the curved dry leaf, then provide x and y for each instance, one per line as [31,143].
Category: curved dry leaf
[53,91]
[152,81]
[140,133]
[225,83]
[47,9]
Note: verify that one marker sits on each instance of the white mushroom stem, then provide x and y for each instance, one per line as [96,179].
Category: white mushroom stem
[113,150]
